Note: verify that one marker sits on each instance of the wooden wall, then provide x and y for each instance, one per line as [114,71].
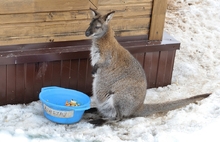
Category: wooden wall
[21,83]
[132,17]
[35,21]
[39,21]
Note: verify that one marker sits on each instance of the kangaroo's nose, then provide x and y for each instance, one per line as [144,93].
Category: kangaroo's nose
[87,33]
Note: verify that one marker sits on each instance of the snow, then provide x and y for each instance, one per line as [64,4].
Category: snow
[195,23]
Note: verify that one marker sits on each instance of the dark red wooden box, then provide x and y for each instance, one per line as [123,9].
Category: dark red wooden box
[25,69]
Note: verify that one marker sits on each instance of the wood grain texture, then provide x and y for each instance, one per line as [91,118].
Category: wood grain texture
[3,85]
[165,68]
[157,19]
[121,2]
[151,67]
[94,4]
[37,21]
[32,6]
[19,82]
[29,82]
[11,95]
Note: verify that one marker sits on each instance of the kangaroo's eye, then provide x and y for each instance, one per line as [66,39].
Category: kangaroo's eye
[97,27]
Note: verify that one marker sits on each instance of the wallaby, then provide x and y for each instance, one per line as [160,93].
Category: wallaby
[119,84]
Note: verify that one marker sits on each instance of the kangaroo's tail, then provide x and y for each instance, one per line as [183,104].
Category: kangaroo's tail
[148,109]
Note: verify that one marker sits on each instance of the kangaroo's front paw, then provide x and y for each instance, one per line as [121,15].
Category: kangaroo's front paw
[94,69]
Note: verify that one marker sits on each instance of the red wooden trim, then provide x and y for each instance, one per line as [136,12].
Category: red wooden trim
[41,52]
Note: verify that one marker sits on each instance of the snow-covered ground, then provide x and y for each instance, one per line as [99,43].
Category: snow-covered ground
[196,24]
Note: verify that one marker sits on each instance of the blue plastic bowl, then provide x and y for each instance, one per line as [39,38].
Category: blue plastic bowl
[53,100]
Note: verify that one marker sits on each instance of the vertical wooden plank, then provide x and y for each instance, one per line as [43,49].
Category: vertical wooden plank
[157,19]
[11,97]
[40,69]
[140,58]
[165,68]
[151,67]
[162,65]
[89,78]
[56,73]
[74,73]
[169,67]
[29,82]
[47,77]
[82,75]
[19,81]
[3,96]
[65,73]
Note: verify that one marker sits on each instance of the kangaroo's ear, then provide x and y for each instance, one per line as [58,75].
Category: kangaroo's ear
[94,12]
[108,17]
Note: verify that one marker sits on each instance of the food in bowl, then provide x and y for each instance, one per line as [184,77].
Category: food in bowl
[71,103]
